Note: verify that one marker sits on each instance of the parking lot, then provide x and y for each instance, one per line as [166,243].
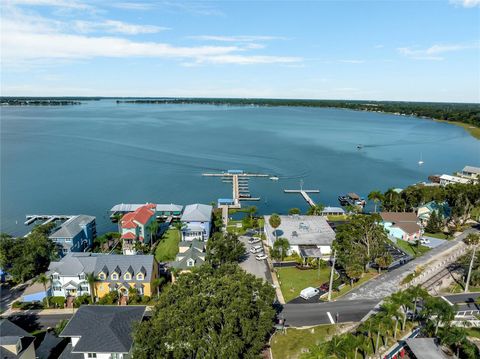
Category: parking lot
[434,242]
[251,265]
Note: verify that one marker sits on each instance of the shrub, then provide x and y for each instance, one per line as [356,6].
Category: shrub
[145,299]
[57,302]
[17,304]
[110,298]
[83,299]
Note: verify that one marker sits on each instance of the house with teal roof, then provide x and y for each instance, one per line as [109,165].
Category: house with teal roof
[424,212]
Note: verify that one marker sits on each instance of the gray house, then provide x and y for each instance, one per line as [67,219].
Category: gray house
[190,254]
[101,331]
[75,235]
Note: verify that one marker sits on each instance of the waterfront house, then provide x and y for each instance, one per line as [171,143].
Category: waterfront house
[424,212]
[112,273]
[309,236]
[15,342]
[447,179]
[197,222]
[101,331]
[190,254]
[135,227]
[76,234]
[161,210]
[333,211]
[470,172]
[402,225]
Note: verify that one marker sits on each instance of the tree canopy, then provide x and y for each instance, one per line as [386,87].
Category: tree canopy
[224,248]
[26,257]
[209,313]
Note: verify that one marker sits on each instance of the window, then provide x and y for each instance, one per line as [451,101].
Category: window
[101,276]
[127,276]
[57,288]
[140,276]
[115,356]
[55,276]
[190,263]
[81,276]
[91,355]
[68,240]
[114,276]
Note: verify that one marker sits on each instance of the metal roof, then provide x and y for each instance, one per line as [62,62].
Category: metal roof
[425,348]
[471,169]
[124,207]
[71,227]
[197,213]
[103,329]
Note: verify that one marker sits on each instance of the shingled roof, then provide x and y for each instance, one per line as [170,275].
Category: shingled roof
[103,329]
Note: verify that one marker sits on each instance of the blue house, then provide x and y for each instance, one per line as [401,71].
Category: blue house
[441,209]
[75,235]
[197,222]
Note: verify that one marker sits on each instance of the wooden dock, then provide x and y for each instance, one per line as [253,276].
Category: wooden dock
[32,218]
[304,193]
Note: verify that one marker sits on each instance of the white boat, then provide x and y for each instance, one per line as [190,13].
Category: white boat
[273,178]
[421,161]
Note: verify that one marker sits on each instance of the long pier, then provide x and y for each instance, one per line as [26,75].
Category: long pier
[31,218]
[304,193]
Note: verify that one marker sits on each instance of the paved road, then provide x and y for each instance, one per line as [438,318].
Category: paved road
[388,283]
[33,321]
[462,298]
[252,265]
[299,315]
[434,242]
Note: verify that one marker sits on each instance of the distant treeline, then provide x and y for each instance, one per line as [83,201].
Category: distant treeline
[457,112]
[37,102]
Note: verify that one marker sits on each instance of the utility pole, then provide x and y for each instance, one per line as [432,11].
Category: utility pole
[470,269]
[331,276]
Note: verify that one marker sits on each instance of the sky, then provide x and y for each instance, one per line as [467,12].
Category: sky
[405,50]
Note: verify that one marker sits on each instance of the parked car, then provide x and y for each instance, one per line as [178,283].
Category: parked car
[424,240]
[309,292]
[256,249]
[261,257]
[254,240]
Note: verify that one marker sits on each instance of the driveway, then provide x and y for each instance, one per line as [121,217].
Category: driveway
[10,294]
[434,242]
[253,266]
[315,299]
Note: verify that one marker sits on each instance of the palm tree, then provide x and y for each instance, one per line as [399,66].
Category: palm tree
[454,336]
[404,302]
[157,283]
[316,210]
[383,261]
[471,240]
[91,283]
[44,280]
[391,309]
[283,245]
[153,229]
[416,293]
[275,222]
[376,197]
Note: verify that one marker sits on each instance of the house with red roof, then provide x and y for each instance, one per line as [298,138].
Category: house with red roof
[135,226]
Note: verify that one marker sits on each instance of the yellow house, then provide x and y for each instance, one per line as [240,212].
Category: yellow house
[120,273]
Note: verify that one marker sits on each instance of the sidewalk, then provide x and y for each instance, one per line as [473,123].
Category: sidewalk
[11,311]
[280,298]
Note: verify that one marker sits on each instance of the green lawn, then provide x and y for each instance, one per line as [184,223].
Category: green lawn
[473,332]
[167,249]
[347,288]
[439,235]
[412,249]
[337,217]
[293,280]
[289,345]
[459,288]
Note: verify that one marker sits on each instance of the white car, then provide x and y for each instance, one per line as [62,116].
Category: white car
[261,257]
[256,249]
[424,241]
[254,240]
[309,292]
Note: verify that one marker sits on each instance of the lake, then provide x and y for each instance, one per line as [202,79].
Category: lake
[84,159]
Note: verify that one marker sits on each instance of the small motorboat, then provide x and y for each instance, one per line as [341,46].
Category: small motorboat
[359,146]
[273,178]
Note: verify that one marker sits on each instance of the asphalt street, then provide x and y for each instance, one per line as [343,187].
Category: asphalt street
[251,265]
[33,321]
[299,315]
[462,298]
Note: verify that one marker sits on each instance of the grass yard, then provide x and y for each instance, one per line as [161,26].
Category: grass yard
[458,288]
[337,217]
[473,332]
[293,280]
[232,227]
[372,273]
[438,235]
[167,249]
[289,345]
[413,250]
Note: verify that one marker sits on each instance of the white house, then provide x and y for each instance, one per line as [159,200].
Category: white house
[309,236]
[101,331]
[197,222]
[470,172]
[447,179]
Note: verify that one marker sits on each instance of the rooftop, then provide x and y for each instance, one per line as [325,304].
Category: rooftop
[72,226]
[103,329]
[471,169]
[141,215]
[455,179]
[425,348]
[197,213]
[124,207]
[302,230]
[11,334]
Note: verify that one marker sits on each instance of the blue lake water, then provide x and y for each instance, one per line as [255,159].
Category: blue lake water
[86,158]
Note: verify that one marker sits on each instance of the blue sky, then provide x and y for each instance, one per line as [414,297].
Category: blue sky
[380,50]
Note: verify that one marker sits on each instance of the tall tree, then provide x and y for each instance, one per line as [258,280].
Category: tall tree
[44,280]
[153,229]
[316,210]
[472,239]
[91,283]
[209,313]
[275,221]
[281,246]
[376,197]
[224,248]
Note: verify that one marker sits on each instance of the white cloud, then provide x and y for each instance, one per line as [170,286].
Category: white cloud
[114,26]
[133,6]
[239,38]
[54,3]
[34,40]
[353,61]
[433,52]
[466,3]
